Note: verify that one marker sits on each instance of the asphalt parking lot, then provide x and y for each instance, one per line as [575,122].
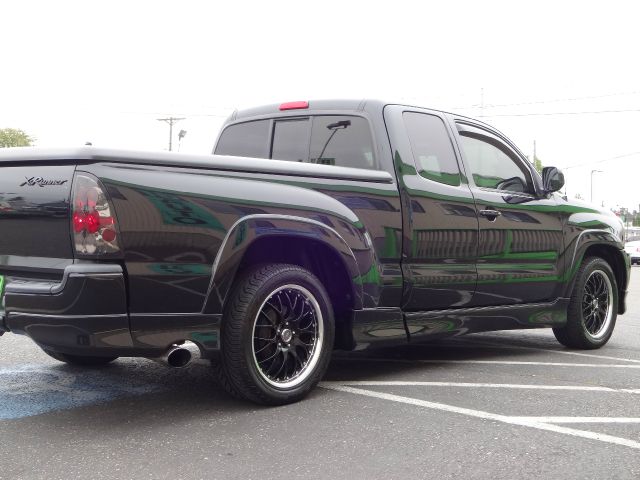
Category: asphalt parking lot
[500,405]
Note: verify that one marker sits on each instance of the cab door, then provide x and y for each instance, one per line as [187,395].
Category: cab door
[440,223]
[521,240]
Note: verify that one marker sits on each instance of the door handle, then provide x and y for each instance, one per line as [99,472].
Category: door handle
[490,214]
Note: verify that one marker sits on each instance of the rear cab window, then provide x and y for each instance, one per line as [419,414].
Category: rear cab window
[291,140]
[247,139]
[340,140]
[432,148]
[344,141]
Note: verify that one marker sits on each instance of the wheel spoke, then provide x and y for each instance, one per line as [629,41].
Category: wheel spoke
[297,360]
[298,342]
[281,310]
[287,314]
[285,356]
[287,335]
[271,357]
[271,339]
[293,307]
[596,303]
[272,322]
[264,348]
[603,311]
[302,313]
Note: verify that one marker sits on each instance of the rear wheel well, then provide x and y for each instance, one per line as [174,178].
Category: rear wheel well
[321,260]
[613,257]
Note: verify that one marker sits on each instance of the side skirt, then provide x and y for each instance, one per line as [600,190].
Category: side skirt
[381,327]
[443,323]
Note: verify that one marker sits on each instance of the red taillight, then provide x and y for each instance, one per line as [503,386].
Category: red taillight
[78,222]
[109,235]
[92,220]
[294,105]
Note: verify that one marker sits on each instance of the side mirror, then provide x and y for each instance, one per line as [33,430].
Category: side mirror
[513,184]
[552,179]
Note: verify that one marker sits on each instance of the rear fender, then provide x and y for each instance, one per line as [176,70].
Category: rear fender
[250,228]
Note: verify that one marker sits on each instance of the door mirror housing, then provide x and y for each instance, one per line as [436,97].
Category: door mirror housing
[552,179]
[513,184]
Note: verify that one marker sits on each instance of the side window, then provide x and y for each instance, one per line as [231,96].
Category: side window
[492,167]
[432,148]
[291,140]
[249,139]
[342,140]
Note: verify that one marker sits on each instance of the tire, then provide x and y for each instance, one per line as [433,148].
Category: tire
[276,336]
[80,360]
[593,307]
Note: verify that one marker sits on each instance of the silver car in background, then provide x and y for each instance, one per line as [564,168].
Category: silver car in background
[633,249]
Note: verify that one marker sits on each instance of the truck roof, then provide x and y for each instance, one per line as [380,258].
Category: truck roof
[328,105]
[313,105]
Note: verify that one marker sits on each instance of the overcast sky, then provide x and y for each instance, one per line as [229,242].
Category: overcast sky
[565,74]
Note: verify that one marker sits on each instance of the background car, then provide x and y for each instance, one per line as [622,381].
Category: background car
[633,249]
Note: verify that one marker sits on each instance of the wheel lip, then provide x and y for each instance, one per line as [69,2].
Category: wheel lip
[315,353]
[604,328]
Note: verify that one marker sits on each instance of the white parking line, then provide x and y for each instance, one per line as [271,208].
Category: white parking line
[394,383]
[522,421]
[579,419]
[547,350]
[493,362]
[550,364]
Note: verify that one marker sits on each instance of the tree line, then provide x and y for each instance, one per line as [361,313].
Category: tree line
[14,137]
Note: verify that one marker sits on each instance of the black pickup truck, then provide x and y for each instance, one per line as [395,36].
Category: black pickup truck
[353,224]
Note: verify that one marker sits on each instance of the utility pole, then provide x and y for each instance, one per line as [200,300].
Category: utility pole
[170,121]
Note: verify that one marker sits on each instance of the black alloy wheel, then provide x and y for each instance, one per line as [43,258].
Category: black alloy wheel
[593,307]
[287,336]
[276,336]
[597,309]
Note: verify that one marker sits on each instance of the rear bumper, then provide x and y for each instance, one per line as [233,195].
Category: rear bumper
[85,313]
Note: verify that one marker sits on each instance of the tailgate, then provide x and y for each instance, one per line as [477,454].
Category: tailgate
[35,237]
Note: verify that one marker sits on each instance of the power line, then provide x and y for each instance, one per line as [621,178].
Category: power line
[556,100]
[593,112]
[185,114]
[207,115]
[602,161]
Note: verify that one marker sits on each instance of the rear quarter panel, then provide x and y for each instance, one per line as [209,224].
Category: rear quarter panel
[177,224]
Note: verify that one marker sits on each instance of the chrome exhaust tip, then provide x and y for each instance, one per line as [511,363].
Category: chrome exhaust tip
[179,356]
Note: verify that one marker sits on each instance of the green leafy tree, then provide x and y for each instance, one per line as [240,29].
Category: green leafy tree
[12,137]
[537,163]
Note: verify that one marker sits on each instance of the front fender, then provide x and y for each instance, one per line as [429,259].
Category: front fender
[606,244]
